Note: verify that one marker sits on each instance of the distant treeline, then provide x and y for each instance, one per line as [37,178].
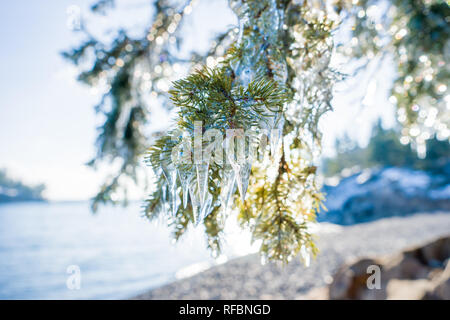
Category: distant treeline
[12,190]
[384,149]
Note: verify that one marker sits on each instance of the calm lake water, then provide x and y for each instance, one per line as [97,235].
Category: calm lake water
[119,253]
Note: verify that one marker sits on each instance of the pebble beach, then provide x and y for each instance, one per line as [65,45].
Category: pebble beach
[247,278]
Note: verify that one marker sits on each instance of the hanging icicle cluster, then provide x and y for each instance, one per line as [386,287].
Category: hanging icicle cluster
[213,106]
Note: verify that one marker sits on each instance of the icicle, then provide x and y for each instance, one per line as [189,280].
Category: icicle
[165,171]
[185,195]
[205,210]
[173,180]
[276,134]
[164,203]
[174,198]
[274,141]
[170,194]
[202,180]
[195,202]
[176,201]
[185,178]
[242,174]
[242,164]
[228,187]
[169,172]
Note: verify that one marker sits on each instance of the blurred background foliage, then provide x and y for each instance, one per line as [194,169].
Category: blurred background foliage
[385,150]
[14,190]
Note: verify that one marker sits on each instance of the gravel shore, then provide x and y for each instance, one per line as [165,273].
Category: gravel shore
[246,278]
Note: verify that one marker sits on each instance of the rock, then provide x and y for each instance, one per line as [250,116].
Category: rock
[408,289]
[404,266]
[435,253]
[320,293]
[416,273]
[441,288]
[350,280]
[378,193]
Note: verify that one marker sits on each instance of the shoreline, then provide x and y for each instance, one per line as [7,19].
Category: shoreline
[245,278]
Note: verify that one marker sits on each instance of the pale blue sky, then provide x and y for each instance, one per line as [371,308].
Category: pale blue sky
[47,122]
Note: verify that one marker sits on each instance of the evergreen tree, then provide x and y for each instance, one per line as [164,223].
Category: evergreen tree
[13,190]
[275,82]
